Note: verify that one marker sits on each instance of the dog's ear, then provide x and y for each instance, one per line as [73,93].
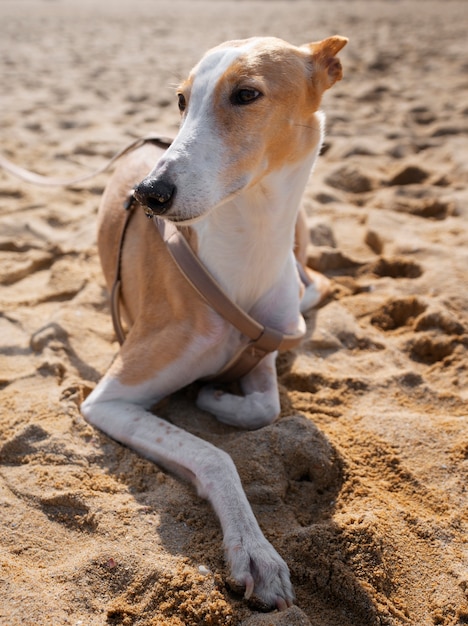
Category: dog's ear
[327,68]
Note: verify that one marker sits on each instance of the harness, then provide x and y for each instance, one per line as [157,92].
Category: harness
[262,339]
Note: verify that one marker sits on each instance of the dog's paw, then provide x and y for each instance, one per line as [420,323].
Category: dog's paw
[258,568]
[316,289]
[252,411]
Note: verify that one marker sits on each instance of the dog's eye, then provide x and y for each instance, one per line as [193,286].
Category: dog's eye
[182,102]
[245,96]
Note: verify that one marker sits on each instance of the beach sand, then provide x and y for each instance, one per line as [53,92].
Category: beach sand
[361,483]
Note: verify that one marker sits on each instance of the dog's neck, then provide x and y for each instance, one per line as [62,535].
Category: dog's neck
[247,242]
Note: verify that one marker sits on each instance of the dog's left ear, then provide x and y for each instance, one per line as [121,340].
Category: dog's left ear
[327,68]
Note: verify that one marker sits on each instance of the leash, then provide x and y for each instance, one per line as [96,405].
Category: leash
[49,181]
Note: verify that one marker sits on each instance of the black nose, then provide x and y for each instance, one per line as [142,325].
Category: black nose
[157,195]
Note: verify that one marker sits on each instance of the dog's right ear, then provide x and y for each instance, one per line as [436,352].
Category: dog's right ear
[326,67]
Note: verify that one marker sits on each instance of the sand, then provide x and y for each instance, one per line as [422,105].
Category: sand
[361,484]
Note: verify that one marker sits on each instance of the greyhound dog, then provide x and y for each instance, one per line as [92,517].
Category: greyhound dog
[229,187]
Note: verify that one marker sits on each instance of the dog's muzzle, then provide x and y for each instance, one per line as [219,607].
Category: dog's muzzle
[156,194]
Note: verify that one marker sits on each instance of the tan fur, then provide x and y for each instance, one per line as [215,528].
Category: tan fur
[280,143]
[155,295]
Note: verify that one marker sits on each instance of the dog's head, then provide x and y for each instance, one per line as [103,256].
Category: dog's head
[248,108]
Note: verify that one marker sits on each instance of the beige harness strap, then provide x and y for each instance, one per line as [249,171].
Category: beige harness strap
[116,287]
[202,281]
[263,339]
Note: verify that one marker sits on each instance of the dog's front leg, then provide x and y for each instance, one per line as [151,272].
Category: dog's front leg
[253,561]
[259,406]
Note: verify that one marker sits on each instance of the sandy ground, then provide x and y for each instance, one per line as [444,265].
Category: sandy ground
[361,484]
